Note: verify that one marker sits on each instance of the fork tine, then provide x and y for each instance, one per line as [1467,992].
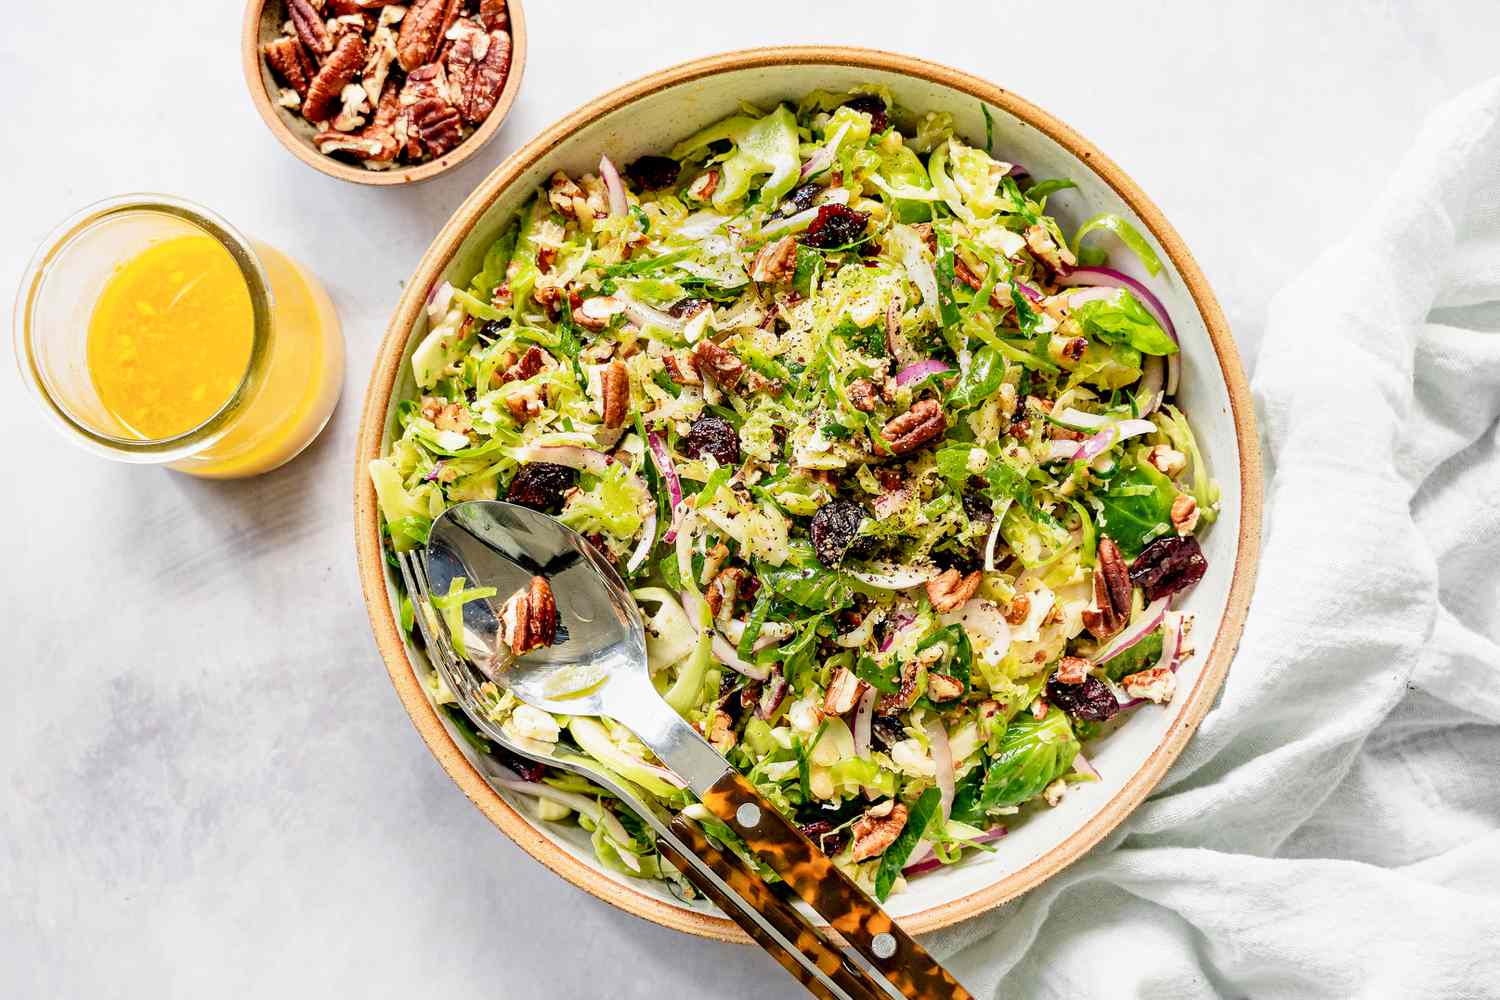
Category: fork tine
[453,670]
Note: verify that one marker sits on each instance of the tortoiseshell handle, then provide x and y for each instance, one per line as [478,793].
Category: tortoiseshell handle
[776,911]
[829,891]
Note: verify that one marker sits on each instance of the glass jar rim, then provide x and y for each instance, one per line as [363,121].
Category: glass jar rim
[257,284]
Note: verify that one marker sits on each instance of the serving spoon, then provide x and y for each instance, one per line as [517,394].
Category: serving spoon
[597,667]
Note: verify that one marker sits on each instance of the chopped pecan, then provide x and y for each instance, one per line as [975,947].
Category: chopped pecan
[478,62]
[309,26]
[949,590]
[368,148]
[524,403]
[1112,589]
[914,428]
[704,185]
[682,374]
[893,324]
[1018,609]
[528,619]
[494,14]
[1156,684]
[1066,351]
[565,195]
[775,261]
[863,395]
[1053,793]
[289,60]
[338,70]
[595,313]
[844,691]
[874,833]
[1184,514]
[890,704]
[422,30]
[344,8]
[718,729]
[724,591]
[1046,249]
[718,363]
[378,58]
[1167,460]
[1072,670]
[530,363]
[941,687]
[614,391]
[713,561]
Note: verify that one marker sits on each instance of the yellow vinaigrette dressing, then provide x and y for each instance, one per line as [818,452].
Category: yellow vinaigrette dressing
[170,337]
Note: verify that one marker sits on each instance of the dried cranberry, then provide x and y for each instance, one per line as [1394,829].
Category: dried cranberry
[886,731]
[653,172]
[541,485]
[835,227]
[801,198]
[712,436]
[834,529]
[1168,565]
[1092,700]
[978,508]
[529,770]
[686,307]
[872,106]
[821,832]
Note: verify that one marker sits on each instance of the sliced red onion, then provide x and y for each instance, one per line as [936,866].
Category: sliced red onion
[438,301]
[1082,766]
[930,862]
[617,202]
[730,658]
[897,624]
[585,459]
[771,696]
[771,633]
[1096,445]
[1076,299]
[894,577]
[864,718]
[1143,625]
[1094,276]
[920,370]
[1033,294]
[1153,378]
[942,756]
[889,502]
[1171,642]
[1059,451]
[668,471]
[823,158]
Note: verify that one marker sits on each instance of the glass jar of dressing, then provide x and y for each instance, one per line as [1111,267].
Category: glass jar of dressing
[154,332]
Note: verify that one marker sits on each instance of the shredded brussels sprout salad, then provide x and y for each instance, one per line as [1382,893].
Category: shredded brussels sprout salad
[890,463]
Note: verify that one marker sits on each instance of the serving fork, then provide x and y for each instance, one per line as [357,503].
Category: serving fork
[719,875]
[598,667]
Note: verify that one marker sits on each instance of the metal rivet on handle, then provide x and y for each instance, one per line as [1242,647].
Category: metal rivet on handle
[884,945]
[748,815]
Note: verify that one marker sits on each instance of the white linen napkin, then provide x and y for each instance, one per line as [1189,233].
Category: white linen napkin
[1333,830]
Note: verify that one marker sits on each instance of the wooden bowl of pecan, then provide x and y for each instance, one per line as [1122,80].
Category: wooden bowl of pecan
[383,93]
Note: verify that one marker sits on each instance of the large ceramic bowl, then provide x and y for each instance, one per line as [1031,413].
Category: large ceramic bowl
[651,114]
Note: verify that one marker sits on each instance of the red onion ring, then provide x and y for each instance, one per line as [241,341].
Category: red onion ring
[823,158]
[1108,276]
[727,655]
[663,460]
[1137,630]
[1094,446]
[617,203]
[929,862]
[921,370]
[1082,765]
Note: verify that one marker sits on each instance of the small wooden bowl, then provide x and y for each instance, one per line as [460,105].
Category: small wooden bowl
[263,21]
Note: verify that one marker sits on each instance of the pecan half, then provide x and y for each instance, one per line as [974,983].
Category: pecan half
[368,148]
[1111,592]
[1184,514]
[873,833]
[437,123]
[528,619]
[614,390]
[949,591]
[863,395]
[914,428]
[422,30]
[718,363]
[890,704]
[941,687]
[530,363]
[309,26]
[478,63]
[844,691]
[494,14]
[775,261]
[289,60]
[324,92]
[1018,609]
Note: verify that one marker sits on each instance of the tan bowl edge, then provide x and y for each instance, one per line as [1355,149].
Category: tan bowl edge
[383,380]
[257,81]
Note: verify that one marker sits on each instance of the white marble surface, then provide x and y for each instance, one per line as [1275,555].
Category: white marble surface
[208,784]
